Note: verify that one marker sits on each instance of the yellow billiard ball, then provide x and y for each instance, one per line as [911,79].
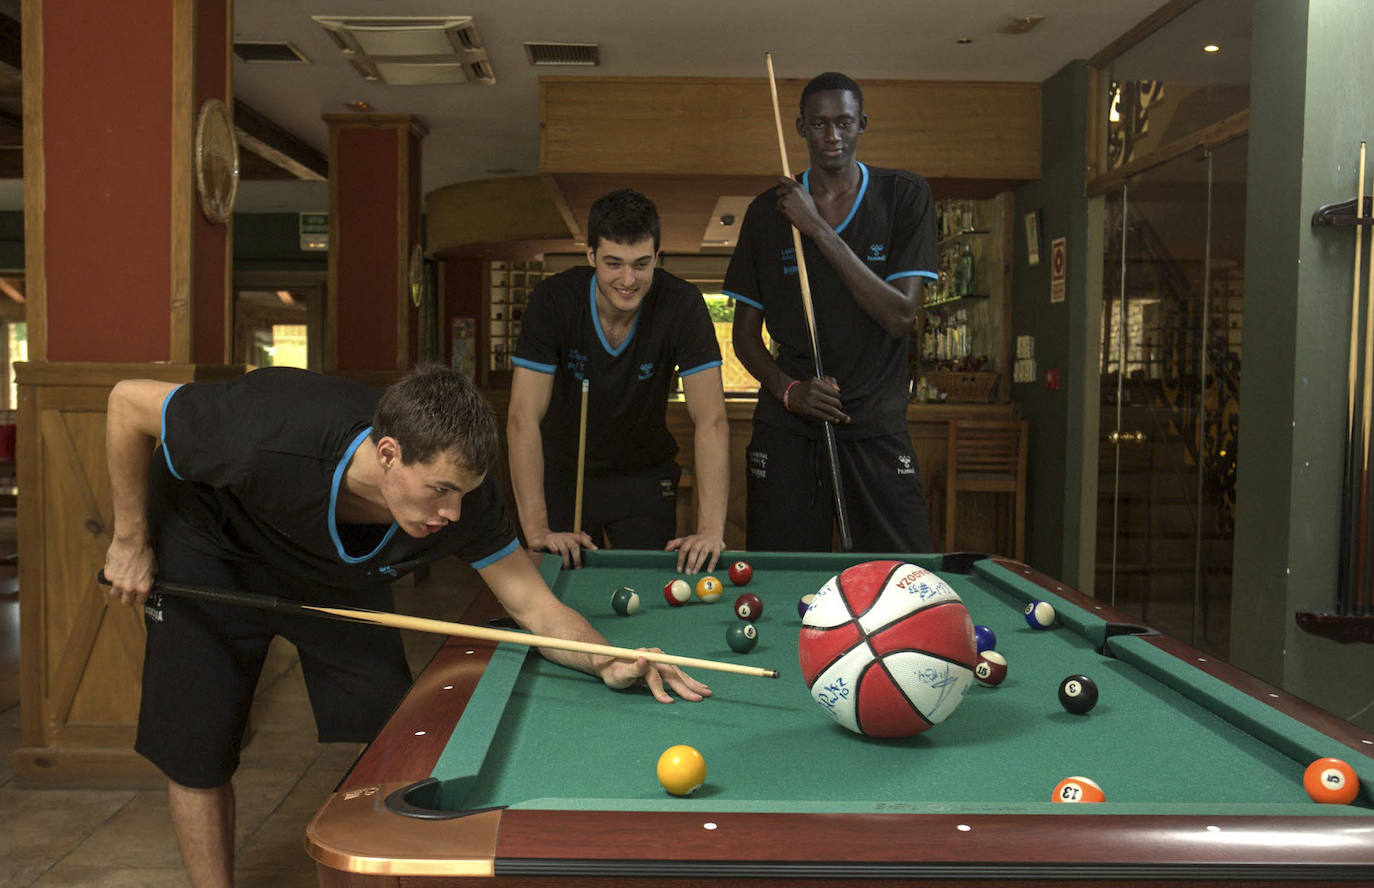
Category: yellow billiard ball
[708,588]
[681,770]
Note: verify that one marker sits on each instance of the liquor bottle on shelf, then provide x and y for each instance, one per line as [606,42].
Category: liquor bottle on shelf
[966,272]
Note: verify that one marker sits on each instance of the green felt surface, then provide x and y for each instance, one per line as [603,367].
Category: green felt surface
[563,740]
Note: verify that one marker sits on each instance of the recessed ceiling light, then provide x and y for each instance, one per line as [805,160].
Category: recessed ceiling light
[1211,47]
[964,40]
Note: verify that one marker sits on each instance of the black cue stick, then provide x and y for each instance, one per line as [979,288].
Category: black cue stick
[1347,581]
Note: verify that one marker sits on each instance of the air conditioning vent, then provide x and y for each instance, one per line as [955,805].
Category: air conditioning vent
[269,52]
[411,51]
[583,54]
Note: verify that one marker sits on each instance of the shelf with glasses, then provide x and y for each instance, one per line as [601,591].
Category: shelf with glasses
[509,285]
[946,300]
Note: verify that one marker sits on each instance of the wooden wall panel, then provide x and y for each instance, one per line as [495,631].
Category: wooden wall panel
[725,126]
[80,657]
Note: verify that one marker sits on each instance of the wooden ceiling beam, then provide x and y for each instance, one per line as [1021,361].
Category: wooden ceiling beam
[258,134]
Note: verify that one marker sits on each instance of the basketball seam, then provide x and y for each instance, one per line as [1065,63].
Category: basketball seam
[839,586]
[858,699]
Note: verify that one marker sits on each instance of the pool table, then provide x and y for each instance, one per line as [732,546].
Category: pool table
[501,768]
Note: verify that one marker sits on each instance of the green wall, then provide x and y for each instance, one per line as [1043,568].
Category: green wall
[1311,104]
[1061,509]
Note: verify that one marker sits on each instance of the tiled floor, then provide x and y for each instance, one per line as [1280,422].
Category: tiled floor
[124,838]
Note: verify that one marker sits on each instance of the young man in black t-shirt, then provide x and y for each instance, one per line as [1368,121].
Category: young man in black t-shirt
[305,487]
[868,240]
[627,327]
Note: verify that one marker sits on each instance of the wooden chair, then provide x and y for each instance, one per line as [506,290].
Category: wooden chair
[987,456]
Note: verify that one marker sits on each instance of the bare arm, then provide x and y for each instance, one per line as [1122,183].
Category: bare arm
[819,398]
[529,401]
[524,595]
[711,436]
[132,425]
[893,305]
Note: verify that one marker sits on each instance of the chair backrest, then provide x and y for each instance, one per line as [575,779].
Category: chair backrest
[987,446]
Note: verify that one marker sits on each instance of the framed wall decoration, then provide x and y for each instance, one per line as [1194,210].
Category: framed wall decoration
[1033,238]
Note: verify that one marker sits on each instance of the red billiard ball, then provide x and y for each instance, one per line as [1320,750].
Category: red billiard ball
[677,592]
[741,573]
[748,607]
[991,669]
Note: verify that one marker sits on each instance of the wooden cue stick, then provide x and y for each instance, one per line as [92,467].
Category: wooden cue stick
[442,627]
[581,459]
[836,485]
[1362,597]
[1348,583]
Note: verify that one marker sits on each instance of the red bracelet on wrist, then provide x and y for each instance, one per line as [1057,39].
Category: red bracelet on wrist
[787,391]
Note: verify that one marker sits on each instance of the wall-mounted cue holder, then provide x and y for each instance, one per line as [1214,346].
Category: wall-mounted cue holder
[1343,213]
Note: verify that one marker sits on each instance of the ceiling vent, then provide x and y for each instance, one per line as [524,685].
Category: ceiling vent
[417,51]
[269,52]
[548,54]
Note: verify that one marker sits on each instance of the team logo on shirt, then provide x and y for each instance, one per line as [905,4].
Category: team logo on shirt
[789,261]
[646,370]
[577,363]
[904,465]
[877,253]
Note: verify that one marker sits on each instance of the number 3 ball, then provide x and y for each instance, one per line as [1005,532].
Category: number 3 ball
[681,770]
[676,592]
[887,649]
[1331,781]
[708,588]
[742,637]
[741,573]
[748,607]
[1078,694]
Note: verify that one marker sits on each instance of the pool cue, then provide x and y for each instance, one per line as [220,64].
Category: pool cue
[836,485]
[440,627]
[1362,590]
[1349,573]
[581,459]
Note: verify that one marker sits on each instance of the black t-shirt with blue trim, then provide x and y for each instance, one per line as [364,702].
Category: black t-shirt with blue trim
[891,227]
[627,402]
[252,469]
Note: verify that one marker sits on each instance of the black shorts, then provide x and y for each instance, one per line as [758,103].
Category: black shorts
[636,510]
[202,662]
[791,507]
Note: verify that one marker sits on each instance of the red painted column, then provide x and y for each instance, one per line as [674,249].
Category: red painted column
[120,265]
[374,223]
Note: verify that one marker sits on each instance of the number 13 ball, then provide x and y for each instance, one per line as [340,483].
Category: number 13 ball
[887,649]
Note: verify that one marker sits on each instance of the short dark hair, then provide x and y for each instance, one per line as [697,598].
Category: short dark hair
[828,81]
[435,409]
[624,216]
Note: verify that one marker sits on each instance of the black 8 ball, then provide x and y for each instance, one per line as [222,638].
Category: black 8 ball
[1078,694]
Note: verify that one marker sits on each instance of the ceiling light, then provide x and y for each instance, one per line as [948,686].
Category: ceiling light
[1021,24]
[285,297]
[962,41]
[1211,47]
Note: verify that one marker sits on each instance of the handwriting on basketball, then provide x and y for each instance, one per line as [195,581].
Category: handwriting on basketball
[830,695]
[943,682]
[914,582]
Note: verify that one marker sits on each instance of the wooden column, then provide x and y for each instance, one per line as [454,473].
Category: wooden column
[125,278]
[374,223]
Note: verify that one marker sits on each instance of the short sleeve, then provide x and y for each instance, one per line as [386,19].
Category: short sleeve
[539,343]
[913,231]
[489,532]
[209,432]
[697,346]
[742,275]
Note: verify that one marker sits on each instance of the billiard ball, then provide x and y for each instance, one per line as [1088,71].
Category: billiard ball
[708,588]
[805,603]
[624,601]
[1039,615]
[742,637]
[1331,781]
[1077,789]
[1078,694]
[676,592]
[681,770]
[748,607]
[741,573]
[984,639]
[991,668]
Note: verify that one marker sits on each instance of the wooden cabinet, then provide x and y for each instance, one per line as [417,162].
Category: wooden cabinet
[508,287]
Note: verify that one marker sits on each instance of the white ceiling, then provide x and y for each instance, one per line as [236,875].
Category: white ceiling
[478,131]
